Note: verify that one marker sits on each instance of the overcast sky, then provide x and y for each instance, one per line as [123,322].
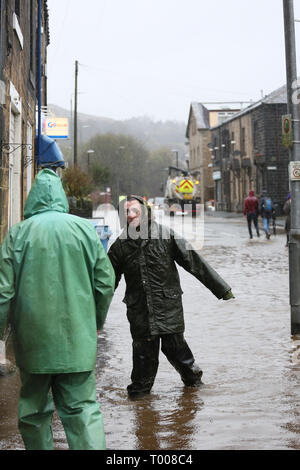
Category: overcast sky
[154,57]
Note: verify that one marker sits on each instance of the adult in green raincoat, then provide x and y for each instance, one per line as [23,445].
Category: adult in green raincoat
[56,284]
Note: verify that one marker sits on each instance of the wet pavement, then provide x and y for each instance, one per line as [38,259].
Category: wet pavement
[251,365]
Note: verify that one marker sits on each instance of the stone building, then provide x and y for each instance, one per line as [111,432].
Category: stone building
[198,134]
[18,101]
[247,153]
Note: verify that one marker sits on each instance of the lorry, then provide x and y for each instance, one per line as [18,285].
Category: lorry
[182,192]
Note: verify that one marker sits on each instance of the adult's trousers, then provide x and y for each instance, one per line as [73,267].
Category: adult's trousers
[74,397]
[252,217]
[145,355]
[266,223]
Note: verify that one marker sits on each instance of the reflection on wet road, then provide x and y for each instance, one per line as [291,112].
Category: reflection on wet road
[251,393]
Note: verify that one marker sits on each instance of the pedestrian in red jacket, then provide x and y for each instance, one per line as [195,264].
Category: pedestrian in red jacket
[251,212]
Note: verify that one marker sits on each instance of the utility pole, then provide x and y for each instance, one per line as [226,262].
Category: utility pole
[89,152]
[72,134]
[294,153]
[75,114]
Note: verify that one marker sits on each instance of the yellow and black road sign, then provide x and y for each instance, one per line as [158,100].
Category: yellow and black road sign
[186,186]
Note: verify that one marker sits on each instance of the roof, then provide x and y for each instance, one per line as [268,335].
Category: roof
[278,96]
[201,114]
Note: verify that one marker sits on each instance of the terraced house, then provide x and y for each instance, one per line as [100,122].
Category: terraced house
[198,134]
[247,153]
[19,86]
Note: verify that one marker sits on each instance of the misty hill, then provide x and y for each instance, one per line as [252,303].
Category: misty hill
[151,134]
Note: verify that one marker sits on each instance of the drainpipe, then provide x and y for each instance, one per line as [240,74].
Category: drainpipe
[39,79]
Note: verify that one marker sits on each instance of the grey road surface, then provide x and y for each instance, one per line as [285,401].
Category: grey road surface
[251,365]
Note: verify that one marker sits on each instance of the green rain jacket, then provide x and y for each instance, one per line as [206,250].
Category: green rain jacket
[153,292]
[56,283]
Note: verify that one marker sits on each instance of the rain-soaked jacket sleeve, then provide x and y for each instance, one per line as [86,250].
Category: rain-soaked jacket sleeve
[104,279]
[115,256]
[7,284]
[191,261]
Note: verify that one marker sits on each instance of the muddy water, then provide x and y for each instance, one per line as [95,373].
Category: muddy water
[251,394]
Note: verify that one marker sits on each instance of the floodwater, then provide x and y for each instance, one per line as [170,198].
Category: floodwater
[251,365]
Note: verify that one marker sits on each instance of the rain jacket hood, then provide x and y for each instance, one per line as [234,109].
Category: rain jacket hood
[46,194]
[147,215]
[251,204]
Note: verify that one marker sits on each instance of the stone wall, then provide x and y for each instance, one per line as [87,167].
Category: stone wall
[262,162]
[18,70]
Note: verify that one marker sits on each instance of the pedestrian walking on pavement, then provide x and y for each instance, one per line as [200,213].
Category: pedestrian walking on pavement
[287,212]
[56,284]
[251,212]
[146,253]
[266,210]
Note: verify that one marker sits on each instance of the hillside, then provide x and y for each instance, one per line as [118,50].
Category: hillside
[151,134]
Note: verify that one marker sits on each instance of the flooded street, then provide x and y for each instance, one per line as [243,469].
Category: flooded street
[251,368]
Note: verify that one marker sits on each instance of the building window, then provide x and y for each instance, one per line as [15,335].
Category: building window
[225,143]
[255,131]
[224,115]
[17,8]
[31,34]
[232,142]
[16,25]
[243,141]
[216,149]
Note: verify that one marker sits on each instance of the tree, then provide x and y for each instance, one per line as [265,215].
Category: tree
[123,159]
[99,174]
[77,183]
[126,166]
[157,173]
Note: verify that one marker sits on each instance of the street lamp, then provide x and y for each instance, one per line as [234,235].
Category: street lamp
[89,152]
[176,152]
[118,153]
[187,160]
